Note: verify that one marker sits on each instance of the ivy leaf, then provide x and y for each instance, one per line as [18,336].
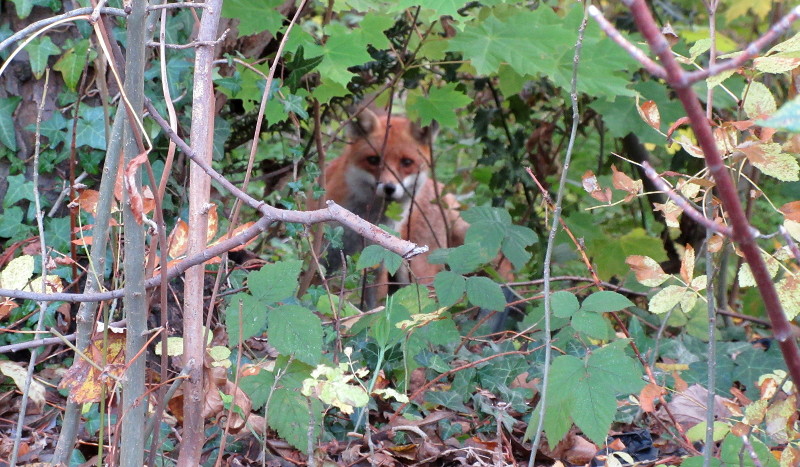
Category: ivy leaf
[485,293]
[440,105]
[254,15]
[605,301]
[11,223]
[40,50]
[295,330]
[91,128]
[253,318]
[18,189]
[300,66]
[275,281]
[24,7]
[71,64]
[7,133]
[450,287]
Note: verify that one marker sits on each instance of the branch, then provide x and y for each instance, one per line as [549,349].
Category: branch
[54,19]
[652,67]
[684,204]
[775,31]
[742,232]
[333,212]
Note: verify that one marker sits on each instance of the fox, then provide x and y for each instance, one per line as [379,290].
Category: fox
[388,159]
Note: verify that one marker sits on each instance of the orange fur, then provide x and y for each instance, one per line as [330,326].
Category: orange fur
[383,164]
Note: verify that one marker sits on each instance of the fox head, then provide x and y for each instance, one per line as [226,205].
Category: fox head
[388,157]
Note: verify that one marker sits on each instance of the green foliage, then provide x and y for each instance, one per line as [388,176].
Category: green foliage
[7,133]
[296,331]
[373,255]
[275,281]
[593,385]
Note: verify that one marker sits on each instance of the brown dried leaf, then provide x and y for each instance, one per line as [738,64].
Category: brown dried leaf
[687,264]
[649,113]
[676,125]
[791,211]
[625,183]
[134,196]
[87,201]
[213,223]
[648,395]
[592,186]
[84,381]
[753,151]
[648,271]
[178,239]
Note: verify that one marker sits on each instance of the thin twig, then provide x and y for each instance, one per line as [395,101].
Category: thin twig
[23,406]
[548,256]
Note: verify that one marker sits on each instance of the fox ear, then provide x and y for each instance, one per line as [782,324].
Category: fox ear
[425,134]
[362,125]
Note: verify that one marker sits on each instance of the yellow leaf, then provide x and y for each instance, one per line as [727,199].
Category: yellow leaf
[16,275]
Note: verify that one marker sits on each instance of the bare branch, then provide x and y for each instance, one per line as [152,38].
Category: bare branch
[684,204]
[164,6]
[54,19]
[652,67]
[749,52]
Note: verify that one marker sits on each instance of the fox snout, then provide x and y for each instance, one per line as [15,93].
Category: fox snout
[390,190]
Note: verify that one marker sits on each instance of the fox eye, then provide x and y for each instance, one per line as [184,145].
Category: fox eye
[374,160]
[406,162]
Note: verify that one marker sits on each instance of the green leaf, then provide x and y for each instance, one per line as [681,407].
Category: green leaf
[11,222]
[91,128]
[7,133]
[347,48]
[440,104]
[40,50]
[254,15]
[591,399]
[468,258]
[290,414]
[258,387]
[485,293]
[295,330]
[18,189]
[373,255]
[591,324]
[24,7]
[439,7]
[732,446]
[517,239]
[609,253]
[275,281]
[72,63]
[565,372]
[450,287]
[299,67]
[786,118]
[253,317]
[449,399]
[563,304]
[489,43]
[605,301]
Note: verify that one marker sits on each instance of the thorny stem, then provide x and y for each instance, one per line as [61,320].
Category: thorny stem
[742,232]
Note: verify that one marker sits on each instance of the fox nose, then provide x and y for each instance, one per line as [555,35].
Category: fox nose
[389,189]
